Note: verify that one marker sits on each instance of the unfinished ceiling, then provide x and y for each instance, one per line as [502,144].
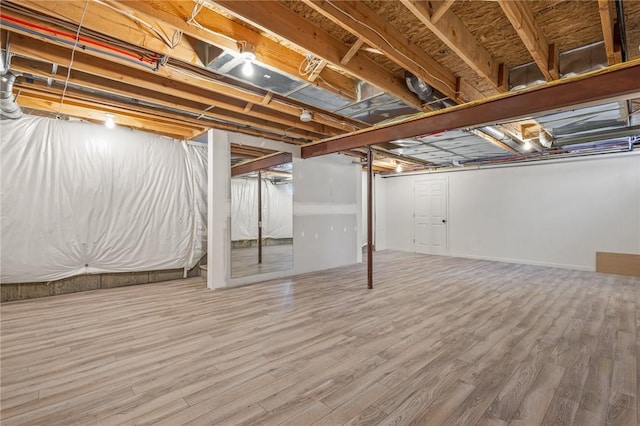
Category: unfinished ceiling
[304,71]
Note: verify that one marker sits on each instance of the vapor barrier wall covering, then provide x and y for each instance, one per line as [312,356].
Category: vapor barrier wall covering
[78,198]
[277,209]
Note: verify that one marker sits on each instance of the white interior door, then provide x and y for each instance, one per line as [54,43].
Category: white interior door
[430,216]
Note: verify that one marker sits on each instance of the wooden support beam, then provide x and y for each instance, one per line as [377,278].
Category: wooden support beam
[607,21]
[213,28]
[494,141]
[352,51]
[87,111]
[101,18]
[404,158]
[450,29]
[615,83]
[318,69]
[261,163]
[248,107]
[247,151]
[140,82]
[279,20]
[521,17]
[267,98]
[441,10]
[32,46]
[109,87]
[360,20]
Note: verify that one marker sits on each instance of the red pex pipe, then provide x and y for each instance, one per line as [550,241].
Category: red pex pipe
[73,37]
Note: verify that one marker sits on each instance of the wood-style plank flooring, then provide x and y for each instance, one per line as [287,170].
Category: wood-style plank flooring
[438,341]
[244,261]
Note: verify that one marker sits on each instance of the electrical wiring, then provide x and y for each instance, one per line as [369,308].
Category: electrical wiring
[73,52]
[336,89]
[343,123]
[191,73]
[197,7]
[312,63]
[329,2]
[175,40]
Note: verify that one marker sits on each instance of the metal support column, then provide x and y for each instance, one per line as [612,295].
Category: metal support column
[259,217]
[369,218]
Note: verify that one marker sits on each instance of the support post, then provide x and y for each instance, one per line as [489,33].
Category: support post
[369,218]
[259,216]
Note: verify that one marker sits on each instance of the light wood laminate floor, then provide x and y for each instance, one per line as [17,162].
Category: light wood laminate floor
[244,261]
[439,341]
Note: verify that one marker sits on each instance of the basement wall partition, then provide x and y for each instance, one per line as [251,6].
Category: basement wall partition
[327,222]
[78,198]
[554,213]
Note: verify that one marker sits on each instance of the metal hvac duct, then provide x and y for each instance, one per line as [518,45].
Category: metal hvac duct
[9,108]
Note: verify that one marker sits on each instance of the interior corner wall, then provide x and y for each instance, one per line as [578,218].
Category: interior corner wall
[556,213]
[218,209]
[326,211]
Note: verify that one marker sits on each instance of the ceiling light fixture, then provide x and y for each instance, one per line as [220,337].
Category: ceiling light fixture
[545,139]
[305,116]
[248,55]
[109,122]
[527,146]
[398,167]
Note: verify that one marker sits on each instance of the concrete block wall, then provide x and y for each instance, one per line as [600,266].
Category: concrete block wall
[21,291]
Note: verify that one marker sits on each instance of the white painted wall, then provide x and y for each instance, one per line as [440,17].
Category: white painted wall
[379,212]
[554,213]
[326,211]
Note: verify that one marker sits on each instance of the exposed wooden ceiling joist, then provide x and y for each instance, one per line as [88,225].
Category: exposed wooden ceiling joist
[607,14]
[141,81]
[86,110]
[119,18]
[213,28]
[281,21]
[111,67]
[521,17]
[246,151]
[261,163]
[450,29]
[618,82]
[441,9]
[364,23]
[99,102]
[97,16]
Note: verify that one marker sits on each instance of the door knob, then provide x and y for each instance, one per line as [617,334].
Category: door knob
[444,220]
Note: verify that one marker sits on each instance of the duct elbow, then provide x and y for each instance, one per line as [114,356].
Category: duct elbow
[9,108]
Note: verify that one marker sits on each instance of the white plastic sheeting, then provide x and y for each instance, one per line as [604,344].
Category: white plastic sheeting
[277,209]
[78,198]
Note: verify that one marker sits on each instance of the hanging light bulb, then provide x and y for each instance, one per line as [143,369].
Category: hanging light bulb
[109,122]
[247,68]
[248,54]
[398,167]
[527,146]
